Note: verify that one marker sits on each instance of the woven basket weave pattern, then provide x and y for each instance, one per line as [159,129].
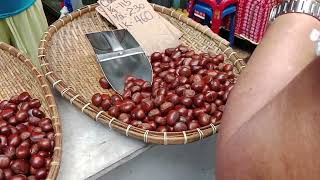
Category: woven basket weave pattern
[17,75]
[69,63]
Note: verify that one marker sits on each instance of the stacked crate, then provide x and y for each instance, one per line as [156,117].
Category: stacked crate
[252,18]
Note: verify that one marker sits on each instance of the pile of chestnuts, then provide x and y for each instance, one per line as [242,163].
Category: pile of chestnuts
[189,91]
[26,139]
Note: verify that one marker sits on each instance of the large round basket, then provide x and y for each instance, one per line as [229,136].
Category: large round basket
[69,63]
[17,75]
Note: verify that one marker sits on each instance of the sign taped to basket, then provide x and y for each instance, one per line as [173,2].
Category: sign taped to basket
[152,31]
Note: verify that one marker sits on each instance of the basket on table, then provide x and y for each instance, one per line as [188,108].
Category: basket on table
[69,63]
[18,75]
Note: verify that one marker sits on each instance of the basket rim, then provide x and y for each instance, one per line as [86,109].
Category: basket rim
[86,107]
[52,107]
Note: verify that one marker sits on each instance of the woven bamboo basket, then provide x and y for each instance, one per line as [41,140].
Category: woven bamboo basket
[17,75]
[69,63]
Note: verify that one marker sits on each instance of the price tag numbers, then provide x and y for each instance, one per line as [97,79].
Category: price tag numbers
[147,26]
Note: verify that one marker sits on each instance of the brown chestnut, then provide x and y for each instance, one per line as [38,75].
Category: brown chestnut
[11,106]
[13,120]
[189,93]
[20,166]
[210,96]
[104,83]
[170,78]
[106,104]
[22,152]
[138,114]
[14,140]
[3,141]
[4,161]
[166,107]
[227,67]
[185,71]
[35,103]
[26,143]
[44,144]
[159,100]
[124,118]
[38,113]
[156,56]
[193,125]
[173,98]
[6,114]
[189,53]
[146,95]
[175,55]
[37,136]
[198,111]
[172,117]
[34,120]
[145,126]
[169,51]
[44,154]
[25,135]
[115,98]
[114,111]
[127,106]
[37,161]
[220,58]
[166,59]
[3,104]
[14,100]
[160,120]
[147,105]
[162,129]
[2,175]
[180,90]
[153,113]
[153,125]
[5,130]
[34,149]
[21,116]
[8,173]
[204,119]
[219,102]
[24,106]
[23,97]
[146,86]
[96,99]
[41,173]
[186,101]
[9,151]
[2,122]
[213,119]
[18,177]
[215,85]
[135,89]
[180,126]
[136,97]
[135,123]
[198,100]
[217,114]
[47,127]
[198,86]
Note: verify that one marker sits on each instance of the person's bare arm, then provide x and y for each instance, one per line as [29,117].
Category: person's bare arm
[285,52]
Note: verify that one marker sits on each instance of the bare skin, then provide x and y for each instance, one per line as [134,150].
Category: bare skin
[271,126]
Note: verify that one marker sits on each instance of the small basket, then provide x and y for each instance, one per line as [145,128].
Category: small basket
[17,75]
[69,63]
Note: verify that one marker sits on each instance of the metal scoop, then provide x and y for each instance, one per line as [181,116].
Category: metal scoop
[119,56]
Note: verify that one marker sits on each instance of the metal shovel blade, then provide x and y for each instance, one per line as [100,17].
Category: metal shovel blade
[119,56]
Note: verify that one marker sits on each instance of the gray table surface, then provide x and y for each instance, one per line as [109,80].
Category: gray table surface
[89,149]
